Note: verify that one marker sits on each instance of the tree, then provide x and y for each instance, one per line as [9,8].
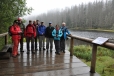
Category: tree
[10,10]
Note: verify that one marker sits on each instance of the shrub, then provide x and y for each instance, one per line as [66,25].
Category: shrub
[85,52]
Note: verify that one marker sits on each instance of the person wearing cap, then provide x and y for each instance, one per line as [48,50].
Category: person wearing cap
[41,31]
[30,34]
[16,36]
[22,26]
[49,37]
[64,36]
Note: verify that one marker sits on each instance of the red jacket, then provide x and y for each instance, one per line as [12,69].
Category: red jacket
[30,31]
[15,32]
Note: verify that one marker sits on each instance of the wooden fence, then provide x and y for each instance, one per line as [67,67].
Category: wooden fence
[94,49]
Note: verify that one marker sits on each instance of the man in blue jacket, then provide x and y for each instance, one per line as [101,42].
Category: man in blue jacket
[41,32]
[64,36]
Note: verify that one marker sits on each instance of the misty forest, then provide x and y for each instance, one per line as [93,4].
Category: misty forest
[94,15]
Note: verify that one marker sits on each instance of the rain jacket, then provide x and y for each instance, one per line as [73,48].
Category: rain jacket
[57,35]
[48,32]
[30,31]
[65,32]
[15,32]
[41,30]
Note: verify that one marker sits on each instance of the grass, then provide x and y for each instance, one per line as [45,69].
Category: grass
[105,58]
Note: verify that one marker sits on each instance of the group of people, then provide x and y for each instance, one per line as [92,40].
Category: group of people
[38,31]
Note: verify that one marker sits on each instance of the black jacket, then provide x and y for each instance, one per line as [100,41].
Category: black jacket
[48,32]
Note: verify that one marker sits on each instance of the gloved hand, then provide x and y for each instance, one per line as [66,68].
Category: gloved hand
[70,34]
[56,35]
[19,32]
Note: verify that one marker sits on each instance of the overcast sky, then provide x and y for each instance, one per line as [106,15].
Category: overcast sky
[43,6]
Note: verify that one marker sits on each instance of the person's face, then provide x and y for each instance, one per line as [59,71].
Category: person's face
[57,27]
[19,21]
[63,24]
[50,24]
[34,22]
[42,23]
[15,23]
[30,22]
[37,21]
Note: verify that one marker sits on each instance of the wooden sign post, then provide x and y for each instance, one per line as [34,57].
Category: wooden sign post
[97,41]
[100,40]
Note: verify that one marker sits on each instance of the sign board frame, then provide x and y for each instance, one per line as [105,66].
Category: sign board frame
[100,40]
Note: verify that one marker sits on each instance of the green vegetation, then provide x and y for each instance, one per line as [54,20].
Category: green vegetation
[10,10]
[2,42]
[105,58]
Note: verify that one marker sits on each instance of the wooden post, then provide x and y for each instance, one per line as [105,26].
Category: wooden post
[6,39]
[93,60]
[71,46]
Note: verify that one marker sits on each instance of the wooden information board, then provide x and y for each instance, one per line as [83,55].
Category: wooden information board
[100,40]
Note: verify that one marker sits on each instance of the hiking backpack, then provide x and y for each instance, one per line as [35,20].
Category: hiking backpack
[30,29]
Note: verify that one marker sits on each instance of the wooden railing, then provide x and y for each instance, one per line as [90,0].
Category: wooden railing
[5,35]
[94,49]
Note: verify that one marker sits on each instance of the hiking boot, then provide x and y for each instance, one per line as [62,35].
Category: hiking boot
[58,53]
[63,51]
[21,51]
[50,51]
[55,52]
[47,50]
[44,49]
[18,54]
[28,52]
[36,49]
[14,56]
[33,52]
[39,49]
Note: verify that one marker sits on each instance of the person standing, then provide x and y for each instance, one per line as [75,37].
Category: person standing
[30,34]
[57,33]
[64,36]
[49,37]
[22,26]
[16,36]
[41,31]
[36,26]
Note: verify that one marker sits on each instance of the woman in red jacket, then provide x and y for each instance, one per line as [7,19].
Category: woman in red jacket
[15,31]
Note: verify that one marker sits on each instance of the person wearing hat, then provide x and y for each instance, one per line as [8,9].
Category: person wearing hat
[64,36]
[49,37]
[41,32]
[30,34]
[16,36]
[22,26]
